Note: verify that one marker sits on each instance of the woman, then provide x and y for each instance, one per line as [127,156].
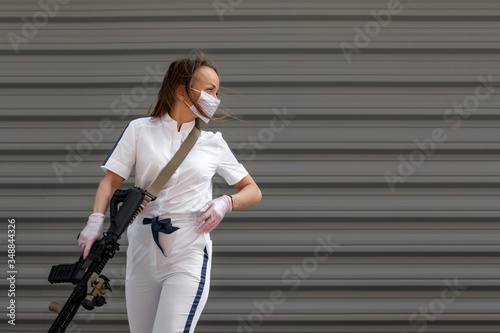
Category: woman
[167,279]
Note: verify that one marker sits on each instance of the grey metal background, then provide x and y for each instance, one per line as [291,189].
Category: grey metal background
[420,257]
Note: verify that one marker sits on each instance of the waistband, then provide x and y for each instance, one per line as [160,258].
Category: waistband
[178,220]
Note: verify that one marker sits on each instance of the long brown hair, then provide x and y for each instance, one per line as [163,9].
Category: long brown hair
[181,72]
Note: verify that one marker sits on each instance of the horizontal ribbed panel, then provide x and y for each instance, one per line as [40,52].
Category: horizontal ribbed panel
[379,168]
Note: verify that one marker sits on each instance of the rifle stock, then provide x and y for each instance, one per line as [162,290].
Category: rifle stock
[84,271]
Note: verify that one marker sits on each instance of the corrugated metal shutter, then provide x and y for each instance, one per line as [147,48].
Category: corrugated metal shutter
[372,128]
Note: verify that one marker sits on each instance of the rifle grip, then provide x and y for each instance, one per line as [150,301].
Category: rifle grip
[132,199]
[118,197]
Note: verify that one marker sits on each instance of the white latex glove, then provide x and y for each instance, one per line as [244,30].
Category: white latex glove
[92,232]
[213,213]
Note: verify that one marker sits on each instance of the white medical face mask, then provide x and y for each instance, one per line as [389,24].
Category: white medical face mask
[208,103]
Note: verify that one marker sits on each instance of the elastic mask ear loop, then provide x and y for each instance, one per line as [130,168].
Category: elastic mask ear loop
[190,106]
[186,103]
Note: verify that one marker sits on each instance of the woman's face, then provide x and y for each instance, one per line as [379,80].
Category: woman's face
[205,78]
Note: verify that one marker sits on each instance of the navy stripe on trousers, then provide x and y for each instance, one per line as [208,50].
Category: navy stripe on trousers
[201,286]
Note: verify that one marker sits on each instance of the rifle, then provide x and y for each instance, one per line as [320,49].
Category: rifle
[85,273]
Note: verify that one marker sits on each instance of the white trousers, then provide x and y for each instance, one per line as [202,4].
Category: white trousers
[166,292]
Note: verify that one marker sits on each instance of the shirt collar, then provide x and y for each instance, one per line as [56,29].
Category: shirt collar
[172,124]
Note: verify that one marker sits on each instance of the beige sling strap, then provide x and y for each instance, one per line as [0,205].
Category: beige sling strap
[168,170]
[173,164]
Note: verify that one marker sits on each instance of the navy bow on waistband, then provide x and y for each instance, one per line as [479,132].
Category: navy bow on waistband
[164,226]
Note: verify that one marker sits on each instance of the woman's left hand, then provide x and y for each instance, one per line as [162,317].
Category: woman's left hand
[213,213]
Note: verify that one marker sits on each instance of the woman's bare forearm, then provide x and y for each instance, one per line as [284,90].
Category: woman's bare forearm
[248,194]
[108,185]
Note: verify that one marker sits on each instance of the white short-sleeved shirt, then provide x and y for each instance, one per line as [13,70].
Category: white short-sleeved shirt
[149,144]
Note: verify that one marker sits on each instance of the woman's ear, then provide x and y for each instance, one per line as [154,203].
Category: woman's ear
[181,94]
